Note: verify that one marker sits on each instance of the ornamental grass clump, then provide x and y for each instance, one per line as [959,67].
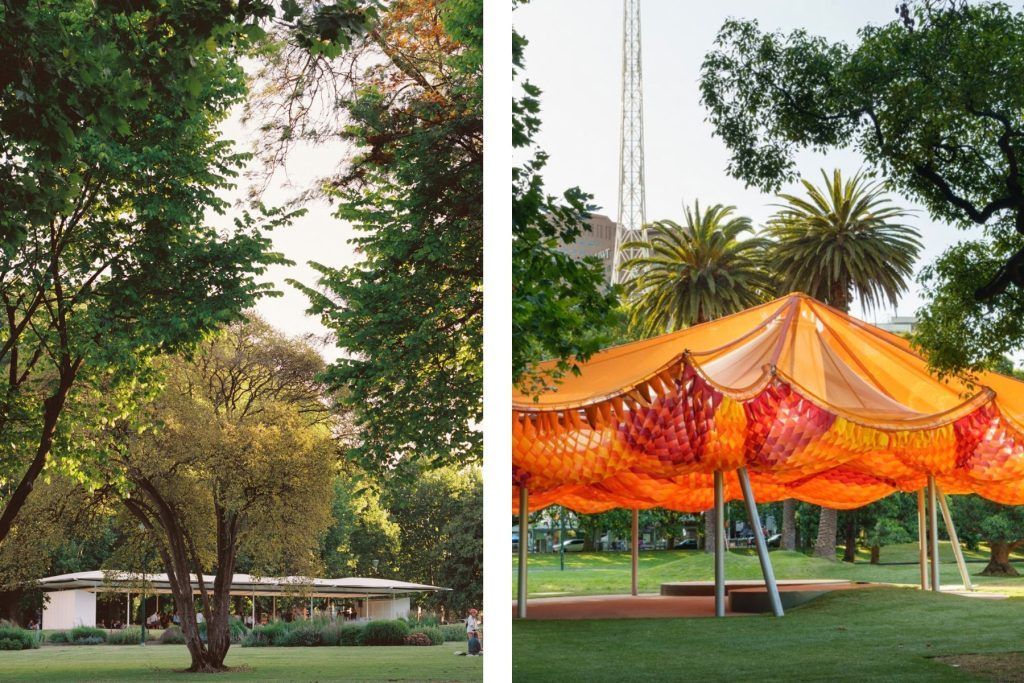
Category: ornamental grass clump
[87,635]
[454,633]
[303,634]
[172,635]
[14,638]
[128,636]
[266,635]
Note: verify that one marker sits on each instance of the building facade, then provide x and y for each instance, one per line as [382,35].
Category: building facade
[599,241]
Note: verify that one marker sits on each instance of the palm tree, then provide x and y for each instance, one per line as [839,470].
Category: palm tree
[839,242]
[694,273]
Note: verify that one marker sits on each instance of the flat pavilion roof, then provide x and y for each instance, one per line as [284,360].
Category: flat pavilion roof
[241,584]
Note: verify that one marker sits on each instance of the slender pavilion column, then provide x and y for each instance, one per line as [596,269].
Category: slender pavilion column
[636,548]
[922,546]
[954,539]
[719,545]
[762,547]
[933,532]
[524,536]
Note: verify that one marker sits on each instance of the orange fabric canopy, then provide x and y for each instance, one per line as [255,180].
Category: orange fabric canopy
[817,405]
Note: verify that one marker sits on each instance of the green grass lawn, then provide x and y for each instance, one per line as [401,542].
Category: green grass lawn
[870,635]
[163,662]
[604,573]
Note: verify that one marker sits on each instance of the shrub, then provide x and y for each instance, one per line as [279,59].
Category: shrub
[417,638]
[302,634]
[80,634]
[273,633]
[385,632]
[59,637]
[434,633]
[350,634]
[454,633]
[14,638]
[172,635]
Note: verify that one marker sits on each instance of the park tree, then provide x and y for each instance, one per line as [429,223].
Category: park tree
[363,540]
[695,272]
[931,101]
[404,99]
[889,521]
[111,165]
[560,308]
[1001,526]
[234,456]
[440,517]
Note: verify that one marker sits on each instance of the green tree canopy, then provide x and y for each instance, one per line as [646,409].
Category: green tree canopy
[112,161]
[406,98]
[234,456]
[932,101]
[560,309]
[695,272]
[440,515]
[1001,526]
[842,241]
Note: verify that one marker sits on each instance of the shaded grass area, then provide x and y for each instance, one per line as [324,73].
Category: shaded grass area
[876,634]
[164,662]
[1004,667]
[608,573]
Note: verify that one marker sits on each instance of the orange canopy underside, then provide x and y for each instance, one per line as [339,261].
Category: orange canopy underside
[817,405]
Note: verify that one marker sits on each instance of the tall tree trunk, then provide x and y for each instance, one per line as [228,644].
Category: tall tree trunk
[175,549]
[218,626]
[825,545]
[850,551]
[789,524]
[52,409]
[709,530]
[999,559]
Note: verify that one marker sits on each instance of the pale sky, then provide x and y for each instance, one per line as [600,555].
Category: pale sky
[574,55]
[317,236]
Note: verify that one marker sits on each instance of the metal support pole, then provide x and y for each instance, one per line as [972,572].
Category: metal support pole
[128,610]
[762,547]
[719,545]
[561,538]
[958,553]
[922,535]
[254,609]
[273,607]
[524,516]
[636,550]
[933,532]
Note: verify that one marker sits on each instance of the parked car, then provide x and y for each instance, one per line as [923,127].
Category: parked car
[686,544]
[572,545]
[774,541]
